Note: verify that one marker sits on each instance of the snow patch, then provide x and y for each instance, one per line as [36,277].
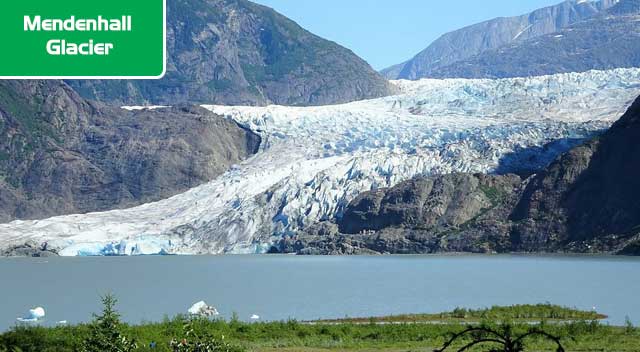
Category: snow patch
[522,32]
[144,107]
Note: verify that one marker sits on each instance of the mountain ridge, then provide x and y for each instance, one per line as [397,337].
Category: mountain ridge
[238,52]
[605,41]
[462,44]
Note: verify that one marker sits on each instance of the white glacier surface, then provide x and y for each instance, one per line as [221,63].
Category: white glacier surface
[314,160]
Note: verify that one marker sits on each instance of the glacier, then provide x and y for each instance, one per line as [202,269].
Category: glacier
[314,160]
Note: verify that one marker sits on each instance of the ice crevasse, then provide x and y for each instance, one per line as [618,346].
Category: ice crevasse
[314,160]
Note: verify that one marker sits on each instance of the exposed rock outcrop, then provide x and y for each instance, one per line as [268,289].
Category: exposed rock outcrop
[445,213]
[434,202]
[28,250]
[590,193]
[62,154]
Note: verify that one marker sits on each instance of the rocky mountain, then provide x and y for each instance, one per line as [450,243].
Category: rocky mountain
[586,201]
[427,202]
[423,215]
[455,47]
[237,52]
[62,154]
[608,40]
[588,198]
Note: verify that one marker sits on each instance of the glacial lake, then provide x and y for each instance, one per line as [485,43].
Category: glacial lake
[282,287]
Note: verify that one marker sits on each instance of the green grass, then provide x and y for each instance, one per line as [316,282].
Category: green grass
[492,193]
[295,336]
[518,313]
[582,335]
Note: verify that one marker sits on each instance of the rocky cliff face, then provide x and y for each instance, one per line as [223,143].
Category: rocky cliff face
[608,40]
[239,53]
[428,203]
[444,213]
[470,41]
[585,201]
[588,196]
[61,154]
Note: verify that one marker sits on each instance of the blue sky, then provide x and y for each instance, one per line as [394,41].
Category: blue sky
[387,32]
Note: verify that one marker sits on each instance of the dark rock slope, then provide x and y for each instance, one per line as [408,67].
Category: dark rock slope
[61,154]
[470,41]
[608,40]
[456,213]
[429,203]
[586,201]
[238,52]
[590,197]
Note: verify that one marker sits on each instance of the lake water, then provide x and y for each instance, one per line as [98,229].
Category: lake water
[281,287]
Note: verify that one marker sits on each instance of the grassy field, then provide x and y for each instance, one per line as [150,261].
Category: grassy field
[350,335]
[518,313]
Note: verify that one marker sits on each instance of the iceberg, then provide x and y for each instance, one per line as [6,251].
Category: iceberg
[202,309]
[34,315]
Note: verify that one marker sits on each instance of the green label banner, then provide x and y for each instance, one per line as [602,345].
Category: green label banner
[83,39]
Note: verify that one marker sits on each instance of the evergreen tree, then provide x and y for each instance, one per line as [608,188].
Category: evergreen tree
[106,331]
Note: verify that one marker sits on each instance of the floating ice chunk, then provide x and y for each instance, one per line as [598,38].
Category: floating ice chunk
[27,320]
[255,317]
[34,315]
[37,313]
[203,309]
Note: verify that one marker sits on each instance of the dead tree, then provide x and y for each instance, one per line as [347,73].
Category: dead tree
[504,339]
